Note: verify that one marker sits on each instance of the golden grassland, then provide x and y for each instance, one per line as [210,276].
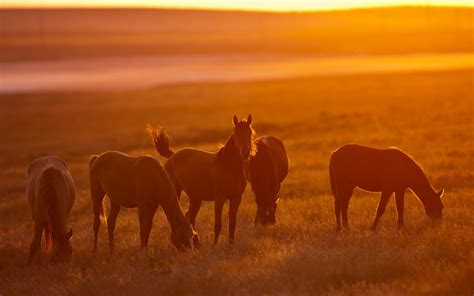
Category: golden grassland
[427,114]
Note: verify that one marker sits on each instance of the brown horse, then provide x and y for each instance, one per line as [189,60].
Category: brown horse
[379,170]
[209,176]
[136,182]
[265,172]
[50,192]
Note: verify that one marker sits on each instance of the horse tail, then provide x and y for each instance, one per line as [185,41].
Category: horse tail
[48,194]
[161,140]
[96,190]
[92,159]
[102,214]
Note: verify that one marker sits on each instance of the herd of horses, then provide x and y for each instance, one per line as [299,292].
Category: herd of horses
[142,182]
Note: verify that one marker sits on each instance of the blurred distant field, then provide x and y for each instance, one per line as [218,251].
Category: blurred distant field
[57,34]
[427,114]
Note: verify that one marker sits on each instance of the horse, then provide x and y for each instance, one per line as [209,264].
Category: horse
[136,182]
[266,170]
[380,170]
[51,194]
[206,176]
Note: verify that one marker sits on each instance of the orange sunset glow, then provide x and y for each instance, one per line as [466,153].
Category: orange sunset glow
[267,147]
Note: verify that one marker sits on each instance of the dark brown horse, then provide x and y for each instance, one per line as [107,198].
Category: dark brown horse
[210,176]
[265,172]
[51,194]
[379,170]
[136,182]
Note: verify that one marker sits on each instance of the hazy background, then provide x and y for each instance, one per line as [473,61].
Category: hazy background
[97,49]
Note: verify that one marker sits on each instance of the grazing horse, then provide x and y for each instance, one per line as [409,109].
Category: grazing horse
[50,192]
[209,176]
[136,182]
[380,170]
[265,172]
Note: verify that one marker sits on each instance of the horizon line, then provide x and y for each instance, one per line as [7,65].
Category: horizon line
[230,9]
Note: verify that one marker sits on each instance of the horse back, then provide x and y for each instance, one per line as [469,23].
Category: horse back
[371,168]
[129,180]
[49,185]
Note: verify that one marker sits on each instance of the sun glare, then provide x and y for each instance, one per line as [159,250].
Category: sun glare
[270,5]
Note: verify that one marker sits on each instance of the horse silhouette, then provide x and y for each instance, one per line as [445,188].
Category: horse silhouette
[206,176]
[136,182]
[379,170]
[265,172]
[51,194]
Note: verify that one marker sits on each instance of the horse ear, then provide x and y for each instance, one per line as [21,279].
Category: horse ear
[440,193]
[277,200]
[69,233]
[235,120]
[249,119]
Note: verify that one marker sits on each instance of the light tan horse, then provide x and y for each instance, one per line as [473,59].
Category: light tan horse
[210,176]
[380,170]
[265,172]
[50,192]
[136,182]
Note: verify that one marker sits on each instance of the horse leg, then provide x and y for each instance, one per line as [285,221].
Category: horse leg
[178,191]
[381,208]
[97,195]
[48,237]
[218,206]
[233,208]
[337,211]
[194,206]
[400,200]
[114,211]
[35,244]
[345,198]
[257,218]
[145,216]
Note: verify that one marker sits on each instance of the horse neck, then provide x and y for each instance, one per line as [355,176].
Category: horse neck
[421,186]
[229,156]
[173,212]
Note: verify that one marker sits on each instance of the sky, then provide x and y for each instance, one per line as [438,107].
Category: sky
[272,5]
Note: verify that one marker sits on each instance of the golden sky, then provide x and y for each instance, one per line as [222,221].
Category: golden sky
[280,5]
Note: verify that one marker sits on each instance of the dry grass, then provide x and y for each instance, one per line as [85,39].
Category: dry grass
[429,115]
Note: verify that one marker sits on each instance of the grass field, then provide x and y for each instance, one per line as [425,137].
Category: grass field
[427,114]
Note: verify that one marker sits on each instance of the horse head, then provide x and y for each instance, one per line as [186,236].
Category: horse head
[434,209]
[62,249]
[243,135]
[266,213]
[185,238]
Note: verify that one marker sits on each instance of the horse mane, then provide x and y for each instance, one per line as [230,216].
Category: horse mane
[420,184]
[50,197]
[418,169]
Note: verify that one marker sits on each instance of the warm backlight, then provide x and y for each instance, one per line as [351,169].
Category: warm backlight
[279,5]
